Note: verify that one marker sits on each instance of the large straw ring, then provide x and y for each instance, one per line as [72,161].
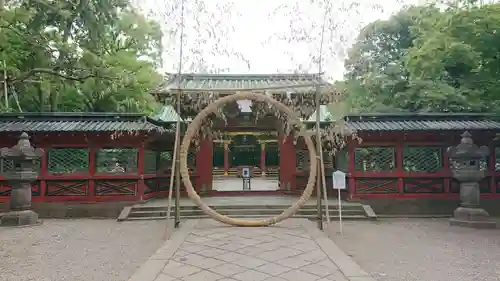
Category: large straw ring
[194,127]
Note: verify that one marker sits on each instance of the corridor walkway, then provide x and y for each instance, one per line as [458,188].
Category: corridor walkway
[294,250]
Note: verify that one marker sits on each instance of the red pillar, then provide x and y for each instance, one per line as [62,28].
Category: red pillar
[287,164]
[226,158]
[263,158]
[204,166]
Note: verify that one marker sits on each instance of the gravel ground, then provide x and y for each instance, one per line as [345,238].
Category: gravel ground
[421,250]
[77,250]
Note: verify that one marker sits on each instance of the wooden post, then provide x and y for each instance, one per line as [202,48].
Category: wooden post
[318,160]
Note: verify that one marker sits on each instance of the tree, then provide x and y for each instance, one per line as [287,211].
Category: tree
[323,29]
[377,78]
[208,26]
[92,56]
[427,59]
[464,55]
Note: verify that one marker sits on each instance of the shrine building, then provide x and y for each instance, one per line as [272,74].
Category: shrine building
[393,162]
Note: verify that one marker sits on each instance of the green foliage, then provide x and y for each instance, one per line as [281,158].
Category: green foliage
[427,59]
[78,56]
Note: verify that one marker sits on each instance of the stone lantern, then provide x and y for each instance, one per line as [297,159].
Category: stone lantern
[465,161]
[23,156]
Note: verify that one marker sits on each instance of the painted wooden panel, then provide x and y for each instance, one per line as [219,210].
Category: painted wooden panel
[380,185]
[115,187]
[423,185]
[67,188]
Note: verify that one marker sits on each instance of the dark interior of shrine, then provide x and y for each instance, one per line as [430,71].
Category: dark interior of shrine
[246,150]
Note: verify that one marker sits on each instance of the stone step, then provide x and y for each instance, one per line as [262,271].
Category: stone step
[349,211]
[249,207]
[235,212]
[350,217]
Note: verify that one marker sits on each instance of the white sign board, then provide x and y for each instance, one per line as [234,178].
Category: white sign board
[245,172]
[339,181]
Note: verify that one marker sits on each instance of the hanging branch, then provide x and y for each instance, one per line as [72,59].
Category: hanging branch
[335,136]
[191,104]
[302,103]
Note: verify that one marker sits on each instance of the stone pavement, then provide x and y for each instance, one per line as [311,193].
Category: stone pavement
[236,184]
[205,250]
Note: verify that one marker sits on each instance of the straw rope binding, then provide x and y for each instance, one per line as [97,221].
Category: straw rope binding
[193,130]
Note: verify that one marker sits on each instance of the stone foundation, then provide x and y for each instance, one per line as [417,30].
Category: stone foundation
[400,207]
[76,210]
[425,207]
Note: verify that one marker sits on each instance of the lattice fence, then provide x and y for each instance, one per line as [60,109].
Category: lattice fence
[423,185]
[327,160]
[272,154]
[342,160]
[302,160]
[191,160]
[375,159]
[116,160]
[367,185]
[68,160]
[150,161]
[423,159]
[166,158]
[497,159]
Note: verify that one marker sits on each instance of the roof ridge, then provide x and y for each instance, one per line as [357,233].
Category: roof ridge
[244,75]
[367,117]
[278,82]
[72,116]
[76,122]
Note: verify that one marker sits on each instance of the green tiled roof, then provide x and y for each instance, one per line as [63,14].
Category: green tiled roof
[423,122]
[77,122]
[294,83]
[167,114]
